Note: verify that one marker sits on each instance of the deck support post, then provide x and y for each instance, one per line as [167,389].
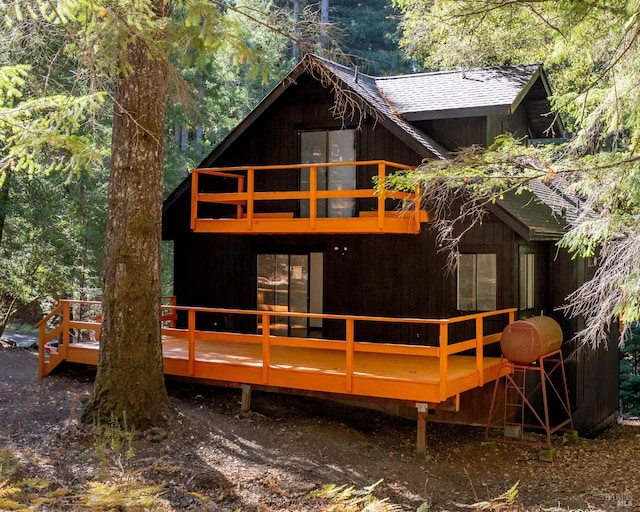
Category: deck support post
[245,403]
[421,446]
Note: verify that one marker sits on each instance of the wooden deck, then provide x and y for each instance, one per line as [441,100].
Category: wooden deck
[242,211]
[417,373]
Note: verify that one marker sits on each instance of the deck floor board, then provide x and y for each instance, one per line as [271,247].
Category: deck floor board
[309,368]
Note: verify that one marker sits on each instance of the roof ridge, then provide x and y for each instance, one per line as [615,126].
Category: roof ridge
[352,68]
[452,71]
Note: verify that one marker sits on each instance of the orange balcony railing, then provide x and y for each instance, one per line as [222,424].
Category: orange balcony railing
[269,199]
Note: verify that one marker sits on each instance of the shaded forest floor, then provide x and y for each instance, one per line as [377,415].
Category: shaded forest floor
[214,459]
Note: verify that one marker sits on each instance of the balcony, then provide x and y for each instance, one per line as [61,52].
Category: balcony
[302,198]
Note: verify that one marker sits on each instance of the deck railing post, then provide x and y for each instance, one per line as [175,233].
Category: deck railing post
[194,198]
[381,199]
[192,339]
[173,301]
[416,209]
[313,196]
[42,329]
[480,350]
[66,335]
[240,191]
[349,354]
[444,359]
[266,347]
[250,197]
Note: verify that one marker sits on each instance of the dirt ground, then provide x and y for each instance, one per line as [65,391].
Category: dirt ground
[214,459]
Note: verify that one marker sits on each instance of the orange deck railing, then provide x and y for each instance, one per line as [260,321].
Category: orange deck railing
[77,321]
[440,349]
[246,209]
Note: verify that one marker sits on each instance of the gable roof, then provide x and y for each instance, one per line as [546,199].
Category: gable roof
[448,94]
[395,101]
[362,86]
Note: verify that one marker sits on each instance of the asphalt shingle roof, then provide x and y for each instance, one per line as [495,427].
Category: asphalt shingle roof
[456,93]
[366,87]
[535,219]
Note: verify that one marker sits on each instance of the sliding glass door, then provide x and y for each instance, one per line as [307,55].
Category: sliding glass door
[286,283]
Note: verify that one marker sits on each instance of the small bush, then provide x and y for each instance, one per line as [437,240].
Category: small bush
[113,443]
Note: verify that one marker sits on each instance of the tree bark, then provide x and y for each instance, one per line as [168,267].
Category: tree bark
[130,378]
[4,200]
[324,24]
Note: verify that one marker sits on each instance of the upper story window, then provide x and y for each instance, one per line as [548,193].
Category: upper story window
[319,146]
[477,282]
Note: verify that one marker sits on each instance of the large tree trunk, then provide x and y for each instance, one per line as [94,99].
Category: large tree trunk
[130,378]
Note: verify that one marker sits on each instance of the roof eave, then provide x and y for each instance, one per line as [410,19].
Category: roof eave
[528,233]
[429,115]
[525,90]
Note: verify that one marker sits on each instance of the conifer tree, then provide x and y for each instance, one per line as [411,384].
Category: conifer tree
[126,49]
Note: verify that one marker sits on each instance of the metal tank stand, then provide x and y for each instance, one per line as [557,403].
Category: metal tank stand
[522,401]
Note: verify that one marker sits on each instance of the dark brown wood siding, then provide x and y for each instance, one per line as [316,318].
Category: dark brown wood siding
[456,133]
[592,374]
[371,275]
[273,139]
[514,124]
[379,275]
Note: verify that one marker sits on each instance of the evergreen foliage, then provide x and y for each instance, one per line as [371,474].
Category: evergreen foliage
[362,33]
[369,33]
[58,141]
[132,57]
[592,53]
[51,134]
[222,88]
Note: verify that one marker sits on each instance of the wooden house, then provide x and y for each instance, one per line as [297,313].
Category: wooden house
[261,226]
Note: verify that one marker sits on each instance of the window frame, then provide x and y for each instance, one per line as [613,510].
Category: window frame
[312,272]
[332,178]
[526,278]
[473,298]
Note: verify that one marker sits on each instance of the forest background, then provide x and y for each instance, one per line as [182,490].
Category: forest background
[53,208]
[55,121]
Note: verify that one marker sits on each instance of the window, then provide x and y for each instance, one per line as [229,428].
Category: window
[477,282]
[329,146]
[526,262]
